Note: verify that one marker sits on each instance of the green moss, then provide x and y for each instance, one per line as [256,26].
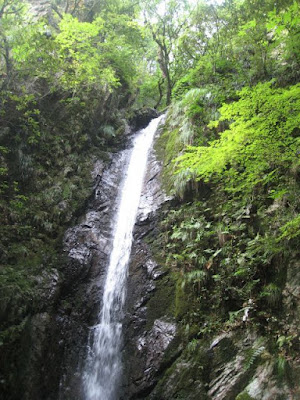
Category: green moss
[182,305]
[244,396]
[167,148]
[162,304]
[185,378]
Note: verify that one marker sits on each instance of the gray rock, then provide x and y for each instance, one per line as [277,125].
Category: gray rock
[263,385]
[142,118]
[155,342]
[145,343]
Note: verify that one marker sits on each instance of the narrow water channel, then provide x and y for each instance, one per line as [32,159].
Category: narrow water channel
[103,370]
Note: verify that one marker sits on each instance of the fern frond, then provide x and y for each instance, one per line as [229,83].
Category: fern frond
[254,353]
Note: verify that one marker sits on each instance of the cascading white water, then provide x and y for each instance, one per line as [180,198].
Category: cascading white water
[103,370]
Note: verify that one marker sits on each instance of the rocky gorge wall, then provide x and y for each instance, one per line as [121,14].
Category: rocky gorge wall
[159,361]
[53,342]
[48,333]
[163,362]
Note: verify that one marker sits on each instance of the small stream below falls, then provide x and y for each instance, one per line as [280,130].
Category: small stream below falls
[102,372]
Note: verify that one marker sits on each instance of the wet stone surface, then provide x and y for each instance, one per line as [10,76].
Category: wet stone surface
[145,345]
[88,247]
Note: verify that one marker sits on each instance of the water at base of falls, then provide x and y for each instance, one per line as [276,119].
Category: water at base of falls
[102,373]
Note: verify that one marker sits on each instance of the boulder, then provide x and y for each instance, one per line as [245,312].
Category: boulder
[142,117]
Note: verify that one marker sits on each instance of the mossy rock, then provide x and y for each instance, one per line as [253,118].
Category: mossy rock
[162,304]
[181,300]
[244,396]
[184,379]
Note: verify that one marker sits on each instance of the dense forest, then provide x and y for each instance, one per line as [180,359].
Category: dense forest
[76,74]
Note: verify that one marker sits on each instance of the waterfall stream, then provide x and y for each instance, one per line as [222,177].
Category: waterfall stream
[103,370]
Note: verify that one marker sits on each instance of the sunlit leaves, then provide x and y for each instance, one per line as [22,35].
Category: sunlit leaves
[291,229]
[285,27]
[258,144]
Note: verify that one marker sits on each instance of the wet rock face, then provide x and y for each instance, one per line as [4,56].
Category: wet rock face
[142,118]
[54,338]
[57,337]
[228,372]
[87,246]
[220,370]
[146,338]
[154,343]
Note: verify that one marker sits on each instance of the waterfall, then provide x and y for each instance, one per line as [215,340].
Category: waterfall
[102,374]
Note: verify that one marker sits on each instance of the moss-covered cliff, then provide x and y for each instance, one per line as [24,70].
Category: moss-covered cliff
[215,292]
[209,274]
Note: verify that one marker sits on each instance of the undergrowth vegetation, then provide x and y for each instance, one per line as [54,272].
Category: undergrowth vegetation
[230,75]
[65,93]
[231,161]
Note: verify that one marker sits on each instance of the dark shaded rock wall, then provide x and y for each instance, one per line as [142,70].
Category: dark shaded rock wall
[50,346]
[88,247]
[149,328]
[142,117]
[160,363]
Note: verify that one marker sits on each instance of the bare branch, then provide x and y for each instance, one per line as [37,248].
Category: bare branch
[54,8]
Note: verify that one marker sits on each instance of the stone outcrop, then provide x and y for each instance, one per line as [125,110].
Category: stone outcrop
[142,117]
[88,246]
[149,330]
[158,362]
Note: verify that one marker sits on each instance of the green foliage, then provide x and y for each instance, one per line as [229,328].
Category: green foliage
[285,28]
[254,354]
[259,144]
[234,225]
[71,58]
[185,112]
[244,396]
[78,42]
[223,254]
[164,22]
[66,85]
[184,126]
[192,346]
[272,293]
[291,229]
[281,366]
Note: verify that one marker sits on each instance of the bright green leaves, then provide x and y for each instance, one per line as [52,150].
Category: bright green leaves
[11,20]
[69,59]
[80,55]
[288,19]
[246,27]
[80,48]
[285,28]
[104,52]
[258,145]
[34,52]
[74,33]
[291,229]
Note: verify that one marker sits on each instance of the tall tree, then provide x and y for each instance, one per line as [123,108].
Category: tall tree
[11,15]
[165,20]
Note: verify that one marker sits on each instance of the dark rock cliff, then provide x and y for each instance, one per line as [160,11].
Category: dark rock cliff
[149,328]
[88,247]
[50,346]
[160,361]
